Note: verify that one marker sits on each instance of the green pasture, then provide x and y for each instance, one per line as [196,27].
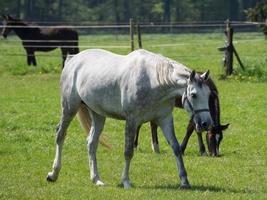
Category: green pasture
[30,110]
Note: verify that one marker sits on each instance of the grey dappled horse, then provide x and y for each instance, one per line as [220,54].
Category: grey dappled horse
[139,87]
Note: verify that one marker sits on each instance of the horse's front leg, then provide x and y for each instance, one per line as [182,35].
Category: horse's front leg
[166,124]
[137,136]
[92,143]
[154,137]
[201,145]
[130,131]
[189,131]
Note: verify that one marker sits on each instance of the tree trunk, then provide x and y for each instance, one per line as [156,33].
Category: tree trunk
[116,10]
[18,10]
[28,9]
[127,11]
[167,12]
[60,5]
[234,10]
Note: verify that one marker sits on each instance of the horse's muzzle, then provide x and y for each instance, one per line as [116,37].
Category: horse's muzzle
[213,148]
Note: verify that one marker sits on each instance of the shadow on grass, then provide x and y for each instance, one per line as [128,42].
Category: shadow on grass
[201,188]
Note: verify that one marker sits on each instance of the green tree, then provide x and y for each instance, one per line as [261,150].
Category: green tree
[167,11]
[118,11]
[259,14]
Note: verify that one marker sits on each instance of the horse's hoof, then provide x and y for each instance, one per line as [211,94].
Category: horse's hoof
[126,185]
[185,186]
[203,153]
[99,183]
[50,177]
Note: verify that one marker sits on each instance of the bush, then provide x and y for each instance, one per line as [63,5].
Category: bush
[255,72]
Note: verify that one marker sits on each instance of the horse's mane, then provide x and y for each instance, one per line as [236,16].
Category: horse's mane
[214,102]
[212,86]
[166,68]
[20,22]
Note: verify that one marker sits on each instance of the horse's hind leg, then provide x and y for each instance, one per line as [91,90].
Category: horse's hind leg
[28,59]
[137,136]
[154,137]
[97,125]
[64,52]
[31,57]
[74,49]
[66,117]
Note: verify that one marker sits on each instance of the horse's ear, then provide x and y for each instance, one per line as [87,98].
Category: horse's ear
[192,75]
[205,75]
[223,127]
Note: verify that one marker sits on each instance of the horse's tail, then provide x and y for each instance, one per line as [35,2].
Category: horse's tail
[85,121]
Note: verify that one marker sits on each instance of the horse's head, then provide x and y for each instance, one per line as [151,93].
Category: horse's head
[196,100]
[7,22]
[214,137]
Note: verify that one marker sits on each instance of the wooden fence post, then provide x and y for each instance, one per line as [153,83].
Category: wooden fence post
[132,34]
[139,36]
[229,50]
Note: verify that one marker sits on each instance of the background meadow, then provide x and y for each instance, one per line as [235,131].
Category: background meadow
[30,110]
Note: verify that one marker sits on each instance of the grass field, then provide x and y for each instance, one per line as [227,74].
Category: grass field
[30,110]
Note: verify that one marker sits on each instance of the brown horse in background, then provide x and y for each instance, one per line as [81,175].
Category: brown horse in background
[214,136]
[35,38]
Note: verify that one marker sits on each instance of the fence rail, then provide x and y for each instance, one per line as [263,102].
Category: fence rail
[67,26]
[136,26]
[144,25]
[81,46]
[13,45]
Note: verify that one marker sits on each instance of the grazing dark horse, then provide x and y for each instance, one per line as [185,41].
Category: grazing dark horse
[35,38]
[214,136]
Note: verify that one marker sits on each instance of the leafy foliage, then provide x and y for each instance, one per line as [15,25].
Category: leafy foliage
[259,14]
[118,11]
[255,72]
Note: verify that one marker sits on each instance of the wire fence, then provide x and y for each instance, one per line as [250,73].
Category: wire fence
[146,27]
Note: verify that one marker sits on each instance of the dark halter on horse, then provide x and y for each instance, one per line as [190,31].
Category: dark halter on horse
[194,112]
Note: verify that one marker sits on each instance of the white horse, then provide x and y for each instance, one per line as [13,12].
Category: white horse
[138,88]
